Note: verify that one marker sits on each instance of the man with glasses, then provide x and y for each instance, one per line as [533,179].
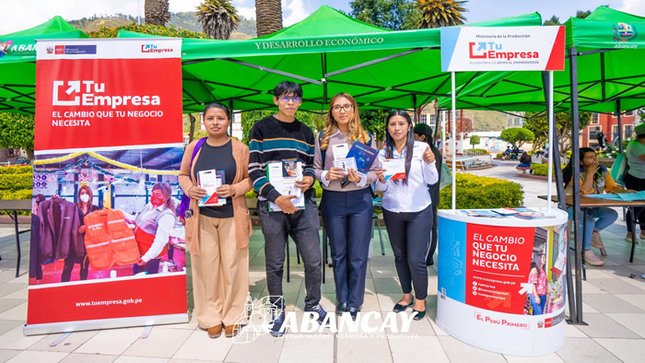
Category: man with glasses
[277,138]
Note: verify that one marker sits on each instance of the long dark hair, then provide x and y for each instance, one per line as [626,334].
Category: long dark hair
[567,172]
[409,142]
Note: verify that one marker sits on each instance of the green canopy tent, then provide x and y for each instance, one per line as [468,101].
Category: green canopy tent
[18,62]
[609,54]
[326,53]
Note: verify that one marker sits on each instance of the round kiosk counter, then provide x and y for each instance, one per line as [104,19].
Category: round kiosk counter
[502,278]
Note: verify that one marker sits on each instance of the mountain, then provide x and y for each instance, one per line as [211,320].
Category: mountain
[187,20]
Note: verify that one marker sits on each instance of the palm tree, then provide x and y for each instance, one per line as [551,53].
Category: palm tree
[438,13]
[218,18]
[156,12]
[268,16]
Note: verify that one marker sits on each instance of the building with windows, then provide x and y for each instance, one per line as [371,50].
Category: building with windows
[608,125]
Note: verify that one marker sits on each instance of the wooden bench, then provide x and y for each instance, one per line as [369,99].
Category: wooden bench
[524,170]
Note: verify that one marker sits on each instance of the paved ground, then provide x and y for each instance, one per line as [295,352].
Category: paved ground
[614,308]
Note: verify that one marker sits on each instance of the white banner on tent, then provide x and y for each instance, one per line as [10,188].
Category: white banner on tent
[526,48]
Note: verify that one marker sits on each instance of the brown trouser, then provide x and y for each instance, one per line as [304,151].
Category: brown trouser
[220,274]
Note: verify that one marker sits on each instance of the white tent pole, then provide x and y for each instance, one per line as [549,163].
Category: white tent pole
[550,156]
[453,140]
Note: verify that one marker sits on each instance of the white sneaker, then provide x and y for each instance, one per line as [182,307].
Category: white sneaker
[592,259]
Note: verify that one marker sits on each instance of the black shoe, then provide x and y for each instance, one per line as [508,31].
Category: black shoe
[320,311]
[353,312]
[278,320]
[342,308]
[399,308]
[418,314]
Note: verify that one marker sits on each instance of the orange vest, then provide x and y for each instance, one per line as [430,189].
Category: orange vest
[108,240]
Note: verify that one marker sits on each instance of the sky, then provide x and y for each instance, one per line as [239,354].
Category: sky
[24,14]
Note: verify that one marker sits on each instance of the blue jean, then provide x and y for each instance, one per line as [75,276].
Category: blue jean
[597,219]
[347,217]
[303,227]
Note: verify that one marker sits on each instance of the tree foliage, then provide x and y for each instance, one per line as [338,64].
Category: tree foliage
[389,14]
[218,18]
[517,136]
[374,122]
[268,15]
[439,13]
[17,131]
[156,12]
[538,123]
[474,140]
[169,31]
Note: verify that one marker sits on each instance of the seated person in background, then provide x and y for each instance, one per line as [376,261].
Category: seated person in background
[594,179]
[635,177]
[507,152]
[525,160]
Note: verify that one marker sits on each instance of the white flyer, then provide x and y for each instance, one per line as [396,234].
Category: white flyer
[283,176]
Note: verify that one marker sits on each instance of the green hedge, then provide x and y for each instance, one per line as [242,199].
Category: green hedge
[541,169]
[16,181]
[18,169]
[480,151]
[499,156]
[18,194]
[474,192]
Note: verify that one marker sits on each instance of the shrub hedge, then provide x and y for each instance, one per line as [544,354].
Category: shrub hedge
[16,182]
[474,192]
[541,169]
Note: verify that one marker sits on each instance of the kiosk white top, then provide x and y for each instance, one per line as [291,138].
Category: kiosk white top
[552,217]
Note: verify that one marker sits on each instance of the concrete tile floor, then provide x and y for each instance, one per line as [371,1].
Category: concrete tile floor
[614,309]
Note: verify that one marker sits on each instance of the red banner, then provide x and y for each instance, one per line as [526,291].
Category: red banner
[500,262]
[108,133]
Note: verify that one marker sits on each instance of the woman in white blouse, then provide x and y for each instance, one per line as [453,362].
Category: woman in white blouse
[407,208]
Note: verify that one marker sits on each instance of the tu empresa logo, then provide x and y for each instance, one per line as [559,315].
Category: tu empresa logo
[4,47]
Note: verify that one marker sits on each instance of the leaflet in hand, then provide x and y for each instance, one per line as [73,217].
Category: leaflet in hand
[394,168]
[283,176]
[364,156]
[345,164]
[210,180]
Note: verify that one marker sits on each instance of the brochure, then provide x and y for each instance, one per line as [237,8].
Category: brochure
[210,180]
[528,213]
[480,213]
[283,176]
[394,168]
[364,156]
[346,164]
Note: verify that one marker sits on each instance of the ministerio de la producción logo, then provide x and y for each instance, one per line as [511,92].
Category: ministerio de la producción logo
[304,325]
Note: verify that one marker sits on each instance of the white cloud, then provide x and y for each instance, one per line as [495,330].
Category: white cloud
[636,7]
[293,11]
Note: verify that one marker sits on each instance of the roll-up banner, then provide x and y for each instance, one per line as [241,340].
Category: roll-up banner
[107,248]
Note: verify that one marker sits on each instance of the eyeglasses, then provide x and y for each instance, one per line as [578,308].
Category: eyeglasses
[346,107]
[286,99]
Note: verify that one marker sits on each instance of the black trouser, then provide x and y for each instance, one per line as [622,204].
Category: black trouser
[70,261]
[632,182]
[303,227]
[409,235]
[347,217]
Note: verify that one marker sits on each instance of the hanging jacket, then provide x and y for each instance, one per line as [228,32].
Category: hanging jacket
[58,230]
[108,240]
